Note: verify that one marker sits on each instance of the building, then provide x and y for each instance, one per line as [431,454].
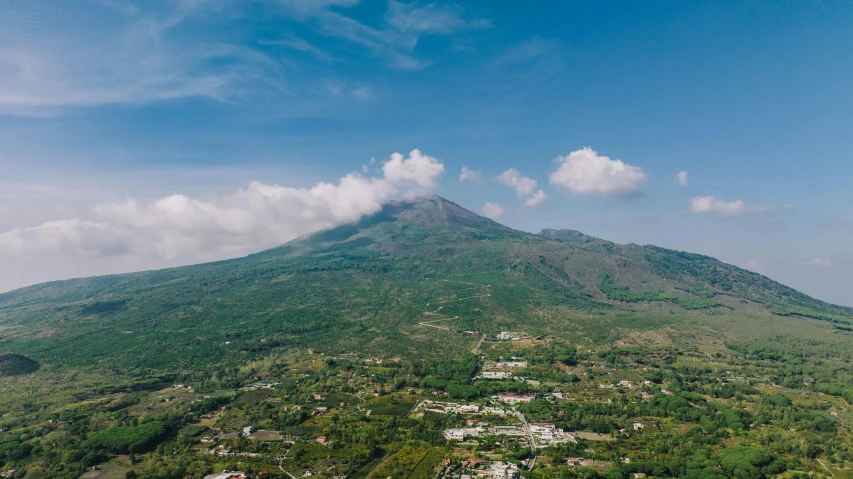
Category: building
[507,430]
[638,426]
[227,475]
[550,434]
[497,374]
[509,398]
[494,410]
[500,470]
[504,364]
[321,439]
[248,430]
[460,434]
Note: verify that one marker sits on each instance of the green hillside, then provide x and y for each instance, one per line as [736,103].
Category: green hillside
[366,350]
[408,280]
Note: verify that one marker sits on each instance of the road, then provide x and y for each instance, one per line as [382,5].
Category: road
[281,463]
[527,430]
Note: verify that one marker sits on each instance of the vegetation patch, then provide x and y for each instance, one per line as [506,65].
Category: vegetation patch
[410,462]
[128,438]
[621,293]
[12,364]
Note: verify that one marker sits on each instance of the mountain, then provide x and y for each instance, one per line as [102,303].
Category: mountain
[417,278]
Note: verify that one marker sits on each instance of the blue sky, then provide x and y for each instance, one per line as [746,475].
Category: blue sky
[137,135]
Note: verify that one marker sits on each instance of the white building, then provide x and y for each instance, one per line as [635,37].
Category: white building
[516,398]
[226,475]
[460,434]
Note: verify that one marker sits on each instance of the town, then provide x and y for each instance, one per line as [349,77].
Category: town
[522,406]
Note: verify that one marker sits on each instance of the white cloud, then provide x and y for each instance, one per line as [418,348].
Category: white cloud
[681,178]
[721,207]
[820,262]
[70,237]
[493,210]
[754,266]
[418,168]
[179,229]
[537,197]
[524,187]
[584,172]
[469,175]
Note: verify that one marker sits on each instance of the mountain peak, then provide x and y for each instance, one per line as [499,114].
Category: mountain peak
[433,210]
[568,236]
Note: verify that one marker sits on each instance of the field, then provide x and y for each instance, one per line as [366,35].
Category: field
[409,463]
[113,469]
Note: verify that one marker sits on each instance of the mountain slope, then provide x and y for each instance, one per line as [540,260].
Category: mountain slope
[411,279]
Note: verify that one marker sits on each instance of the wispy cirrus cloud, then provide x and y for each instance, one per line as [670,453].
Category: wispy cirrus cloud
[395,41]
[54,56]
[431,18]
[363,93]
[300,45]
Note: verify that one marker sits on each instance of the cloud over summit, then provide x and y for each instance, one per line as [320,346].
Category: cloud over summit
[178,229]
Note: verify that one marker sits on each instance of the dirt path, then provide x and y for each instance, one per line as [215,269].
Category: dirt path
[824,466]
[476,349]
[462,299]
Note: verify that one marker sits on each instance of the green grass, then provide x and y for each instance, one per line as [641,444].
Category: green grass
[385,409]
[409,462]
